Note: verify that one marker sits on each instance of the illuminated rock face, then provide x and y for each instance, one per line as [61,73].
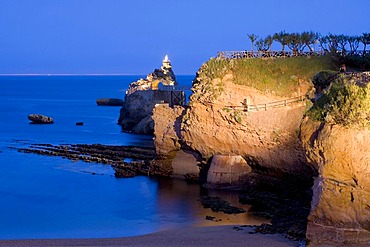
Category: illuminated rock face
[144,94]
[340,207]
[164,76]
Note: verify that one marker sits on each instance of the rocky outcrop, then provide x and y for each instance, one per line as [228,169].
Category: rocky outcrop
[136,112]
[40,119]
[265,137]
[167,128]
[136,107]
[109,102]
[164,76]
[183,162]
[144,94]
[340,208]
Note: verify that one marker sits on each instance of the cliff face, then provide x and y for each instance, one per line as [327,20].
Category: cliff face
[181,162]
[217,122]
[340,208]
[336,137]
[251,108]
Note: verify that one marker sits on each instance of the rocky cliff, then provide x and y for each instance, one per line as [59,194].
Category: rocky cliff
[336,138]
[225,117]
[340,208]
[266,136]
[274,134]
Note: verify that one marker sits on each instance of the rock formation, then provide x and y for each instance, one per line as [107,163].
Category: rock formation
[144,94]
[224,119]
[168,127]
[164,75]
[40,119]
[268,138]
[217,121]
[109,102]
[340,208]
[184,163]
[337,144]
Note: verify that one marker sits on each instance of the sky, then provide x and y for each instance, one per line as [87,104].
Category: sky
[133,36]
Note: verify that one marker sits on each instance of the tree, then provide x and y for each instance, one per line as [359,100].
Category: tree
[252,37]
[354,42]
[365,39]
[281,37]
[261,45]
[268,42]
[293,42]
[329,44]
[342,43]
[308,39]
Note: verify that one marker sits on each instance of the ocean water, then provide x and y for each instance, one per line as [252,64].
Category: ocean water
[52,197]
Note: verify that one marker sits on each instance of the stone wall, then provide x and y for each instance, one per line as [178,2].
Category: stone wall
[227,169]
[136,112]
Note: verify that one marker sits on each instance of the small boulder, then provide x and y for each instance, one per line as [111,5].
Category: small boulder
[40,119]
[109,102]
[79,124]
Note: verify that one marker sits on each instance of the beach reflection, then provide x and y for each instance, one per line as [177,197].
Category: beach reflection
[176,198]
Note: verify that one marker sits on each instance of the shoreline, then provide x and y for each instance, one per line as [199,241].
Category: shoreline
[212,236]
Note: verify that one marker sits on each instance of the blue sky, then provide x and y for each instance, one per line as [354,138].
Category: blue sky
[132,37]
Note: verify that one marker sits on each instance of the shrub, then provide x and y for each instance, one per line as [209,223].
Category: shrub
[323,79]
[344,103]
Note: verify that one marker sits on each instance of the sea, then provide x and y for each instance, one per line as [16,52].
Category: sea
[43,197]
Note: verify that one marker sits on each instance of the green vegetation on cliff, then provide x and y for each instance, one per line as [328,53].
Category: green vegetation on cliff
[344,103]
[279,76]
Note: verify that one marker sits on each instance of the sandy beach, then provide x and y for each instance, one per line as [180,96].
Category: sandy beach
[190,236]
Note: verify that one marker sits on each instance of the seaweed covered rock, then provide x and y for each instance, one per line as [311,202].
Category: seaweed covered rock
[40,119]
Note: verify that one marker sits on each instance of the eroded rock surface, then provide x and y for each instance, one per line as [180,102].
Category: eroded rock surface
[216,123]
[340,210]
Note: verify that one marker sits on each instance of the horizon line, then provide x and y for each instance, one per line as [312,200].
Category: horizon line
[65,74]
[71,74]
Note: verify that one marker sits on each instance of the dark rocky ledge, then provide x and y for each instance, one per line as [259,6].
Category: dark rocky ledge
[216,204]
[109,102]
[284,200]
[127,161]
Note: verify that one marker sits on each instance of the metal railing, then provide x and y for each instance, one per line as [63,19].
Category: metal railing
[276,54]
[266,54]
[247,107]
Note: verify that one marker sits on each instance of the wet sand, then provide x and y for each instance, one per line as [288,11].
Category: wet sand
[190,236]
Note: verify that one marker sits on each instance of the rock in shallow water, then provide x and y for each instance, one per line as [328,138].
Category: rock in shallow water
[40,119]
[109,102]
